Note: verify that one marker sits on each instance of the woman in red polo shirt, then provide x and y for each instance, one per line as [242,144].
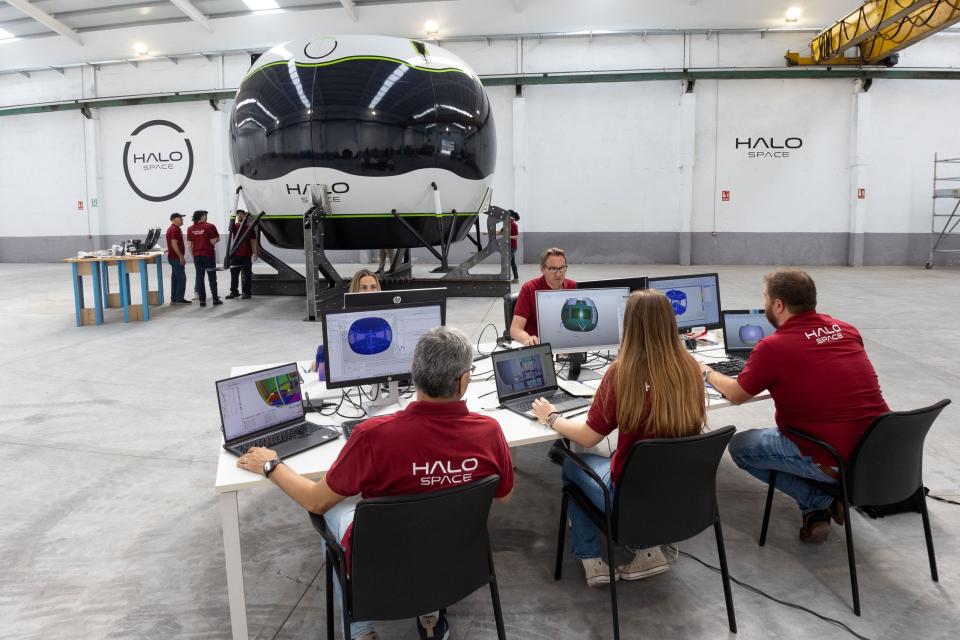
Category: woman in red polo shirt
[653,389]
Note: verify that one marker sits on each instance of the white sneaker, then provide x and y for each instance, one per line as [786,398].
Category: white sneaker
[598,572]
[645,563]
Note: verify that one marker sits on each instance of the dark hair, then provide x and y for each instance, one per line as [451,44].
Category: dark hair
[514,214]
[198,215]
[794,287]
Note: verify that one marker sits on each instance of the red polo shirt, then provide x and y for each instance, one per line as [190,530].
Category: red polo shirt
[821,380]
[514,231]
[200,235]
[425,447]
[526,306]
[244,249]
[175,237]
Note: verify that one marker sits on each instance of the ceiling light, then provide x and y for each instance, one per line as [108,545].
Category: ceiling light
[5,35]
[140,49]
[261,5]
[793,13]
[432,27]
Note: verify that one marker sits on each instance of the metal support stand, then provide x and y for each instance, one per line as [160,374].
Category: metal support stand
[942,191]
[317,263]
[575,372]
[380,399]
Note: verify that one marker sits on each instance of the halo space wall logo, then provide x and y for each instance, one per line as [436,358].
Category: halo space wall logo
[158,160]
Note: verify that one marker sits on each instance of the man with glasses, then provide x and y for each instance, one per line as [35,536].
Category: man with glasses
[553,266]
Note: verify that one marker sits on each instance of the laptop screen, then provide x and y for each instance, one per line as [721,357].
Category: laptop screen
[520,372]
[259,400]
[742,330]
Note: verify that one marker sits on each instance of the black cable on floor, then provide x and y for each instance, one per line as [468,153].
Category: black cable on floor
[939,499]
[759,592]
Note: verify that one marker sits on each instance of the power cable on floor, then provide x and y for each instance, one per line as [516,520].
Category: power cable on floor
[759,592]
[939,499]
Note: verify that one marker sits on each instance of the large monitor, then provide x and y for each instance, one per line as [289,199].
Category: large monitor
[434,295]
[375,344]
[695,299]
[572,320]
[634,284]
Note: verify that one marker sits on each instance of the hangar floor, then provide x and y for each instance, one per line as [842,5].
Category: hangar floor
[112,527]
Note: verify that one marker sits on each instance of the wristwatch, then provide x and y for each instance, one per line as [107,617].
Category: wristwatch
[270,465]
[706,374]
[551,419]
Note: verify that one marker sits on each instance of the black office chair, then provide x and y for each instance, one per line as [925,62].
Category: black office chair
[509,302]
[886,467]
[401,568]
[667,493]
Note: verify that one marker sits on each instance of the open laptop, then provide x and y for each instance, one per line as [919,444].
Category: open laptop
[525,374]
[742,330]
[264,409]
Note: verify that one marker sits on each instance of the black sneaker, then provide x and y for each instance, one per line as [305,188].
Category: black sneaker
[217,301]
[203,303]
[816,527]
[233,295]
[433,627]
[245,296]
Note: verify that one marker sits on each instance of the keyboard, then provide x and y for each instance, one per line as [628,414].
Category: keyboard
[557,398]
[732,367]
[294,431]
[349,425]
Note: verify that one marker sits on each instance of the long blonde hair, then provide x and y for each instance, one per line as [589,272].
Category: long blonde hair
[360,275]
[651,354]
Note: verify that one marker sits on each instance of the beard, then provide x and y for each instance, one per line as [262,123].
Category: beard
[768,312]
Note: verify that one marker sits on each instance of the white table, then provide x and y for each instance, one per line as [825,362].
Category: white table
[481,396]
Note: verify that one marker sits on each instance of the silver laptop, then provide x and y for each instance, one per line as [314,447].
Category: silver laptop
[264,409]
[525,374]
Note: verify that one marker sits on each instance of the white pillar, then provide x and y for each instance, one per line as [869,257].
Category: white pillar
[520,166]
[859,172]
[686,154]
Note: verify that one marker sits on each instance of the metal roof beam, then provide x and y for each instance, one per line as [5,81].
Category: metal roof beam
[45,19]
[193,13]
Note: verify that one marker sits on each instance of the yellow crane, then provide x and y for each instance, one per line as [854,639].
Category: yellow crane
[878,29]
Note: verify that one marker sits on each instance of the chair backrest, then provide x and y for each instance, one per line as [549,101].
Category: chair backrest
[667,491]
[887,465]
[414,554]
[509,302]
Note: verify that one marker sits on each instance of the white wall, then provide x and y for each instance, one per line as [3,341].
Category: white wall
[605,157]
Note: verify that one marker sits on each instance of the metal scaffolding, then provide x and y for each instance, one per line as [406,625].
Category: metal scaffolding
[943,191]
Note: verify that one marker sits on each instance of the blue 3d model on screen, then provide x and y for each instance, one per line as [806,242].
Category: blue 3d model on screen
[394,128]
[369,336]
[678,300]
[750,334]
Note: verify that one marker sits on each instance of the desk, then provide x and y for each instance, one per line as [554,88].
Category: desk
[98,269]
[517,430]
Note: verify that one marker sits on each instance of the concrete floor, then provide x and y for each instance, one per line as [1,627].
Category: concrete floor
[111,526]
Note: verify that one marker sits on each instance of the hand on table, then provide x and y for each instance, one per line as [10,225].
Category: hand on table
[531,341]
[542,409]
[254,459]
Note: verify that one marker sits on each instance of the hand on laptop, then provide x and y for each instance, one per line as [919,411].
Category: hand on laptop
[531,341]
[542,409]
[254,459]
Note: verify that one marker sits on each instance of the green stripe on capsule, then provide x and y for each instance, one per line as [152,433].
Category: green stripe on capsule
[459,214]
[350,58]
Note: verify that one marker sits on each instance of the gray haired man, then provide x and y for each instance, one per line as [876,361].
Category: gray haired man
[434,443]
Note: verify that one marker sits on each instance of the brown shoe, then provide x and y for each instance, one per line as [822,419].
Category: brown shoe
[837,512]
[816,527]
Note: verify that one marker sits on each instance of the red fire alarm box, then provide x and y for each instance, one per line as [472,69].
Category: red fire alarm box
[724,196]
[79,205]
[861,193]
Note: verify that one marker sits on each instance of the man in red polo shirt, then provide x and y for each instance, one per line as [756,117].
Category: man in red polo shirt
[203,238]
[822,383]
[244,253]
[435,443]
[177,257]
[553,266]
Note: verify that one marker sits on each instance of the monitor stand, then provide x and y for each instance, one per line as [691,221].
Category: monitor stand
[380,399]
[574,371]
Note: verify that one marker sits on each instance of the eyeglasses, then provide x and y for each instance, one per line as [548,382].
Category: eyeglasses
[472,368]
[562,269]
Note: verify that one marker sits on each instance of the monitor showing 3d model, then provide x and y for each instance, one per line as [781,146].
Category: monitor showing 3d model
[375,344]
[572,320]
[695,299]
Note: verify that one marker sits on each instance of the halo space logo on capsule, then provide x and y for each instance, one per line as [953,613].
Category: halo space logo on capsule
[158,160]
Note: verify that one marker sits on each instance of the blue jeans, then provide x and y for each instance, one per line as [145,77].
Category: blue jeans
[178,279]
[584,535]
[759,451]
[208,265]
[339,518]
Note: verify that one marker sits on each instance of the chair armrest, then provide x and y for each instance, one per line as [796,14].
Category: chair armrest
[820,443]
[583,466]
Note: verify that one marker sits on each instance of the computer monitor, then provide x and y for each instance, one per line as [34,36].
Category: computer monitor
[695,299]
[433,295]
[572,320]
[259,400]
[373,345]
[634,284]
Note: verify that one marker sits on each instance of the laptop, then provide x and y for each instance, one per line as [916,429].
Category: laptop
[742,330]
[525,374]
[264,409]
